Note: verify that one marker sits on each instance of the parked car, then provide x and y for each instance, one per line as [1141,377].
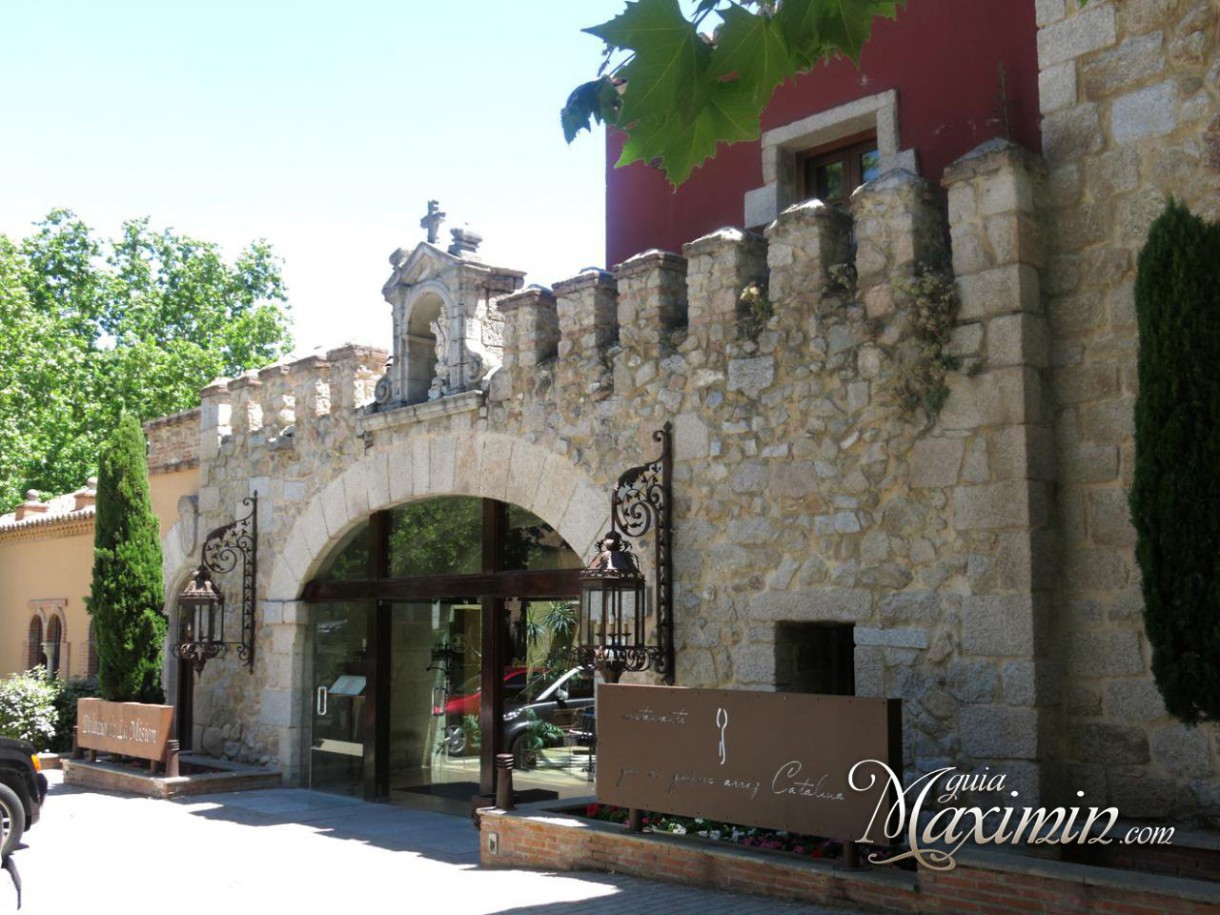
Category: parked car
[540,708]
[553,705]
[23,789]
[467,699]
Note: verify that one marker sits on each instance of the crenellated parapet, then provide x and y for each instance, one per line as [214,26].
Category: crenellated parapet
[651,301]
[899,230]
[531,339]
[587,307]
[288,405]
[720,267]
[804,244]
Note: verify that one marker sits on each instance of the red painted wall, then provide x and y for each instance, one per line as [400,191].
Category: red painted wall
[941,56]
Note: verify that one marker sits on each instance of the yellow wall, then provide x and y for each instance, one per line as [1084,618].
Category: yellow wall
[45,566]
[166,489]
[45,569]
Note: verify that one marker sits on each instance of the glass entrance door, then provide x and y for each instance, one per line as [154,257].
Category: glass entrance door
[436,653]
[340,689]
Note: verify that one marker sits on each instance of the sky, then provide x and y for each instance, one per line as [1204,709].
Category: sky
[323,128]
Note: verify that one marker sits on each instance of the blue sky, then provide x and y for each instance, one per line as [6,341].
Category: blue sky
[323,127]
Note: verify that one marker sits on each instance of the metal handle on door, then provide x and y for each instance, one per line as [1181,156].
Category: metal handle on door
[322,697]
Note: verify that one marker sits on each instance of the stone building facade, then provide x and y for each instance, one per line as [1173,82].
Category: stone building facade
[935,470]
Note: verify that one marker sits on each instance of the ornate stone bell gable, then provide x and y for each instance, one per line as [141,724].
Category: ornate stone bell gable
[447,328]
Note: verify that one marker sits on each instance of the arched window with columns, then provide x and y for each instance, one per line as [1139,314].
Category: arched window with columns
[53,646]
[33,656]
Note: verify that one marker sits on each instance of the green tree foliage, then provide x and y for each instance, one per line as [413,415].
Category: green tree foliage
[139,323]
[126,594]
[1175,493]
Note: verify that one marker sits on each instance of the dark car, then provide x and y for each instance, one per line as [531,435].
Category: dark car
[541,707]
[554,704]
[23,789]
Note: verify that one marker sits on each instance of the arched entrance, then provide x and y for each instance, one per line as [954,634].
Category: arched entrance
[437,635]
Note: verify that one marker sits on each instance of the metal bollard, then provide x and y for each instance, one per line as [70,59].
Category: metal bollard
[504,781]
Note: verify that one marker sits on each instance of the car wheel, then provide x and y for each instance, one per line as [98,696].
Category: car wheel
[455,740]
[523,757]
[12,820]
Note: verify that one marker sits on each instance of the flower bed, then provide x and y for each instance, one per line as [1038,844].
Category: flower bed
[748,836]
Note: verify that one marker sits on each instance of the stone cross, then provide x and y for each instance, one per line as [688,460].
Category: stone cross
[432,222]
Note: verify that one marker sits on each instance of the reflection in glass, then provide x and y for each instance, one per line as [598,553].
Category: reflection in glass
[531,544]
[870,166]
[830,182]
[437,653]
[350,559]
[437,537]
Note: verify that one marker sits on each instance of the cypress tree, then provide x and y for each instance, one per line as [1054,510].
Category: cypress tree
[126,595]
[1175,494]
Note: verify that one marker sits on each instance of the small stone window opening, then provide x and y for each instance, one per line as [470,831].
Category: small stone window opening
[831,173]
[815,658]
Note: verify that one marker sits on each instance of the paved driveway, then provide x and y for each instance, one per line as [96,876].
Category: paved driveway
[296,852]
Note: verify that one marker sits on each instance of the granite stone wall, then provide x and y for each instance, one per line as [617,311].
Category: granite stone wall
[1129,95]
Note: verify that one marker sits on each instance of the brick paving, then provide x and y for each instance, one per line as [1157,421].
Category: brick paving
[296,852]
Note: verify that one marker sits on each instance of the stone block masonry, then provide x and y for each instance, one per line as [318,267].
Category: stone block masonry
[1130,93]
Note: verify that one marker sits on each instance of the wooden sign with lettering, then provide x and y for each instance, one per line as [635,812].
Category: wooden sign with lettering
[772,760]
[128,728]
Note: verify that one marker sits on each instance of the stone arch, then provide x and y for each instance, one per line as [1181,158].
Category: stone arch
[472,463]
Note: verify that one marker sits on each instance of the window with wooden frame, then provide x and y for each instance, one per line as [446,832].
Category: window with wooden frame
[831,173]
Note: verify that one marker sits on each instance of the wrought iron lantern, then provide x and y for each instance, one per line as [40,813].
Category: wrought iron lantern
[613,632]
[201,617]
[201,605]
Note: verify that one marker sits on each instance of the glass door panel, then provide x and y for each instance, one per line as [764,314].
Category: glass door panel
[435,696]
[548,703]
[339,689]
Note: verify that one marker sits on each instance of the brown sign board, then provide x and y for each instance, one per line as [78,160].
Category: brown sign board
[128,728]
[772,760]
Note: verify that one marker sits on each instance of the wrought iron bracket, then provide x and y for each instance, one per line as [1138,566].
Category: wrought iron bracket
[641,501]
[223,549]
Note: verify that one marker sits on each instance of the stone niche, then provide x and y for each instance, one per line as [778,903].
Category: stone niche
[447,330]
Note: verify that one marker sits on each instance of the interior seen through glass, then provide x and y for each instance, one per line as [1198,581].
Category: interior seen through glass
[429,743]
